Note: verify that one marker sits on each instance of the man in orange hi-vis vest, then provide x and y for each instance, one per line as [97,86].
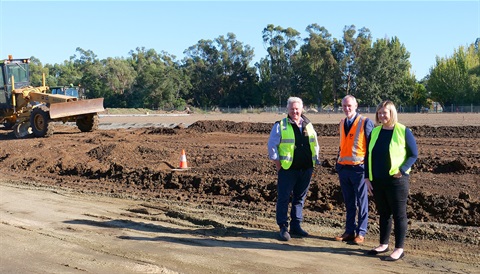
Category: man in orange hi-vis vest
[355,130]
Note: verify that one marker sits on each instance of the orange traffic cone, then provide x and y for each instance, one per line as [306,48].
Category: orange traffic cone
[183,160]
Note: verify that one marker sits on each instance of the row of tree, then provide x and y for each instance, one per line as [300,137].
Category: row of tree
[319,69]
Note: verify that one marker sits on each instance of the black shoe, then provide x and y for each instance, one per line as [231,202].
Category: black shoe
[390,259]
[298,231]
[373,252]
[284,235]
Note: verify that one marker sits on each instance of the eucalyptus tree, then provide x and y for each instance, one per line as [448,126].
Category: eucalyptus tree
[348,59]
[177,81]
[265,82]
[339,88]
[239,78]
[120,74]
[220,73]
[205,72]
[108,78]
[37,70]
[159,82]
[281,48]
[66,73]
[362,46]
[93,75]
[51,75]
[315,66]
[350,55]
[385,73]
[120,77]
[143,62]
[356,56]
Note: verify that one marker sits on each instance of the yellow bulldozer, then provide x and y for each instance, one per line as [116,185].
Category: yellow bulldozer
[30,111]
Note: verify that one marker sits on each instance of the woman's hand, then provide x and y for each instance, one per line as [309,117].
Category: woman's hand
[398,175]
[278,166]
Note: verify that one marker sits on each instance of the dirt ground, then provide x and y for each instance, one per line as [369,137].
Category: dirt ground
[115,201]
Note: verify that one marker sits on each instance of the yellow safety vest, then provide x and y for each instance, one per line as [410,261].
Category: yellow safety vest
[397,149]
[287,143]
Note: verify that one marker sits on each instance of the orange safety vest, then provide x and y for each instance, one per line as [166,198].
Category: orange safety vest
[353,147]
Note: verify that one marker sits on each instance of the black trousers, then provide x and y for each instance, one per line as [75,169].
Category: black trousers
[390,197]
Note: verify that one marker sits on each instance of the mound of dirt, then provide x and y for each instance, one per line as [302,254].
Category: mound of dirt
[332,129]
[228,166]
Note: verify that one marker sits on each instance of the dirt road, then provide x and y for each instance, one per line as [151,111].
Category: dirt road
[47,230]
[112,201]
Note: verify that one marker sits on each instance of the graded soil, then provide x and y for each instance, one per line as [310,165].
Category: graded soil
[116,201]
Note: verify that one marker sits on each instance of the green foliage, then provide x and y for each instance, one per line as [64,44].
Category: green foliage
[36,72]
[315,67]
[220,74]
[419,96]
[384,73]
[455,79]
[318,68]
[282,44]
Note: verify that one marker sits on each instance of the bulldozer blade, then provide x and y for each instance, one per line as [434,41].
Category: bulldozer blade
[75,108]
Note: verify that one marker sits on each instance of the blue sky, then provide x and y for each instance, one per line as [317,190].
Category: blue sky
[52,30]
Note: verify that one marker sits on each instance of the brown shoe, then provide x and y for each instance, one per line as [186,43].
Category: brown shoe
[359,239]
[345,237]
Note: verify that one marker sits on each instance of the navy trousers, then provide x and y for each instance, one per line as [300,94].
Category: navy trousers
[294,183]
[355,196]
[391,200]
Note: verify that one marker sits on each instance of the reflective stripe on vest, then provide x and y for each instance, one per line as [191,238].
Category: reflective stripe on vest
[353,146]
[286,147]
[397,149]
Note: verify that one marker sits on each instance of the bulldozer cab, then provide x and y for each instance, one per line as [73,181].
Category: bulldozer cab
[68,91]
[19,69]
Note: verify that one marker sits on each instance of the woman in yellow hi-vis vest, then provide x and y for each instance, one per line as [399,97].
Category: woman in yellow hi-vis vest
[293,147]
[392,151]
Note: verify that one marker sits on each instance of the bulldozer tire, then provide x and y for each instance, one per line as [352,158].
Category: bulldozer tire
[40,122]
[22,130]
[87,123]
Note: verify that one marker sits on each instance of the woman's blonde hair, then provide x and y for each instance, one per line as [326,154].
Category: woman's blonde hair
[387,104]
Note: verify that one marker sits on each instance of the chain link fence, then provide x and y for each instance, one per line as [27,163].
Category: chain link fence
[362,109]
